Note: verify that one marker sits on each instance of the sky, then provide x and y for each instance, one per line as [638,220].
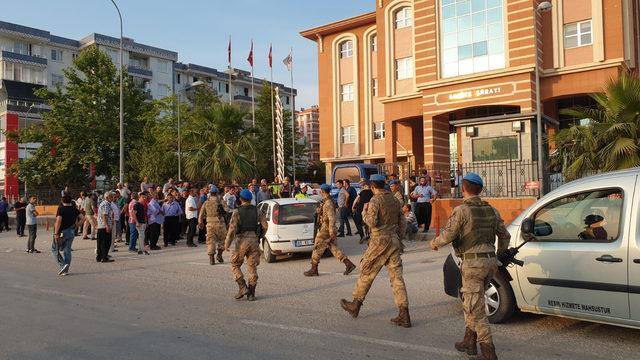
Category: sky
[199,30]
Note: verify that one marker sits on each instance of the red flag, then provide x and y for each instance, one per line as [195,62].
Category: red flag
[270,56]
[229,50]
[250,58]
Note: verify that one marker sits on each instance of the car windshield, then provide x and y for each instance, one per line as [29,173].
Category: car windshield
[300,213]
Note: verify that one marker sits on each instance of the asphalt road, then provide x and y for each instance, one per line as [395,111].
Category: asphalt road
[173,305]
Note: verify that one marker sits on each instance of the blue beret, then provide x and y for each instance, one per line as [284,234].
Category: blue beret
[246,194]
[325,187]
[474,178]
[213,190]
[377,177]
[394,182]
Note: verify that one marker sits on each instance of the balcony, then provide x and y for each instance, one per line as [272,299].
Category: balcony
[242,98]
[139,72]
[23,59]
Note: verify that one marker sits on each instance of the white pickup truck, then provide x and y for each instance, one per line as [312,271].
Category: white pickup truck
[584,259]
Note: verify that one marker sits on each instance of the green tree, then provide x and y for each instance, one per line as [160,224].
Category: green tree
[82,126]
[612,139]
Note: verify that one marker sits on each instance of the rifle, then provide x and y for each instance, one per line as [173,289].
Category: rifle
[508,256]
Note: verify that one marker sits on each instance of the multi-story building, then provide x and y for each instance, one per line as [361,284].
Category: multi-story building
[32,58]
[308,125]
[417,80]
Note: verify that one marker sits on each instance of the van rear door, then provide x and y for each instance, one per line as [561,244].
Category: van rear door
[634,258]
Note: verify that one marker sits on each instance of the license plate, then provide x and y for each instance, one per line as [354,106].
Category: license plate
[299,243]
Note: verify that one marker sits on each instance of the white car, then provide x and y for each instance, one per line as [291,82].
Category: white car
[291,226]
[583,261]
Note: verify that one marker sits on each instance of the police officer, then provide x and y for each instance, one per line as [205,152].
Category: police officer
[326,236]
[245,227]
[213,211]
[395,187]
[472,230]
[384,217]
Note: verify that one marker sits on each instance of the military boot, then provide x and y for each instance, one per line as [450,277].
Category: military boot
[242,289]
[349,266]
[487,352]
[212,260]
[313,271]
[403,318]
[468,344]
[219,256]
[352,307]
[251,294]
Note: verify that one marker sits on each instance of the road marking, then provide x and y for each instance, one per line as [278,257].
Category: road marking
[51,292]
[396,344]
[197,263]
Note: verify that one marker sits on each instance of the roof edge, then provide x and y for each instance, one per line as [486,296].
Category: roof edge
[339,25]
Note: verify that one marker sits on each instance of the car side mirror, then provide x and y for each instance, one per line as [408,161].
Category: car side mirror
[527,226]
[542,229]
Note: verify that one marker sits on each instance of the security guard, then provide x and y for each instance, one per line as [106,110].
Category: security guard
[326,236]
[246,227]
[395,187]
[212,216]
[384,217]
[472,230]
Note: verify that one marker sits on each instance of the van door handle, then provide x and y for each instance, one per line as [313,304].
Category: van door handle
[609,258]
[636,261]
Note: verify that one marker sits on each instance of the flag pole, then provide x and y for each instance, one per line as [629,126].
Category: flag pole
[253,94]
[273,118]
[230,71]
[293,120]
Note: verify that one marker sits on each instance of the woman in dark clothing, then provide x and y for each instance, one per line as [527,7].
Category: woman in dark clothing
[21,216]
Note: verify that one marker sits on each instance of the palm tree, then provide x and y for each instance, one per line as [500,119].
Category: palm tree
[612,139]
[217,144]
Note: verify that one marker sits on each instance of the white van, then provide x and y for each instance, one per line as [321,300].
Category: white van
[584,260]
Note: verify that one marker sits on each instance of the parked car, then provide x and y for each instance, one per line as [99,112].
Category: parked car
[583,261]
[291,226]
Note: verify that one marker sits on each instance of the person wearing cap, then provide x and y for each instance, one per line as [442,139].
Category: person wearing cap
[472,230]
[212,217]
[326,237]
[302,194]
[383,216]
[245,227]
[363,198]
[395,187]
[594,227]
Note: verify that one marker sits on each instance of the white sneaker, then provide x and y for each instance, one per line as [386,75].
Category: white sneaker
[63,270]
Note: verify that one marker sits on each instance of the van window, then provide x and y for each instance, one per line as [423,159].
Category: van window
[593,216]
[300,213]
[370,171]
[352,173]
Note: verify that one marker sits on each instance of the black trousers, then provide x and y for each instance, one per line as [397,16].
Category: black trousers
[423,214]
[202,234]
[103,244]
[357,218]
[154,234]
[4,221]
[191,232]
[171,230]
[21,220]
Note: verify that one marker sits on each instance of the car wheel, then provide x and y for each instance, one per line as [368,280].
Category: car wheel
[268,255]
[499,301]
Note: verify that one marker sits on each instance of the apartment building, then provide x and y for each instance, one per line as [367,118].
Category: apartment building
[308,125]
[441,82]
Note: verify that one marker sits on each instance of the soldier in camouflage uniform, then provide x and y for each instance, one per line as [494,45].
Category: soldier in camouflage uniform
[246,227]
[213,211]
[395,187]
[384,217]
[472,230]
[326,236]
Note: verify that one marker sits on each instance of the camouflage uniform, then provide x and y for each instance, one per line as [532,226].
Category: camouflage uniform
[246,246]
[399,197]
[384,218]
[472,228]
[216,228]
[326,236]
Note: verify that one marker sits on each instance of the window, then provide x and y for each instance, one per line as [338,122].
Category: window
[163,90]
[403,18]
[163,66]
[593,216]
[22,48]
[348,135]
[57,80]
[346,92]
[374,87]
[246,91]
[286,100]
[404,68]
[577,34]
[74,56]
[378,130]
[56,55]
[472,36]
[299,213]
[178,78]
[498,148]
[374,43]
[352,173]
[346,49]
[226,88]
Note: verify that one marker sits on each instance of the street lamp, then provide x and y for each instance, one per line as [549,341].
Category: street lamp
[542,7]
[186,88]
[33,106]
[121,97]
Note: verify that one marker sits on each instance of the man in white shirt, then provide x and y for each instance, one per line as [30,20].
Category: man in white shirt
[191,214]
[116,231]
[423,195]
